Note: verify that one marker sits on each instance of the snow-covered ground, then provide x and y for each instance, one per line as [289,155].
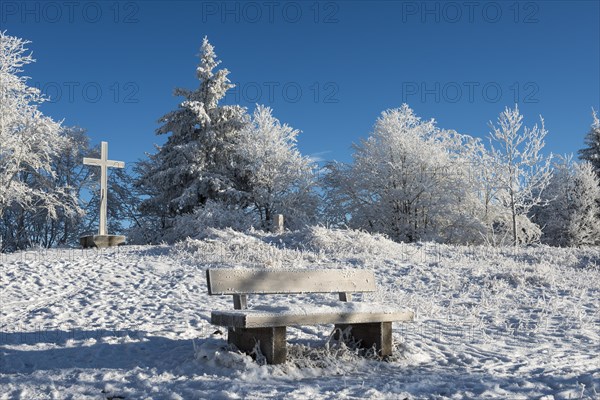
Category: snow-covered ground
[133,323]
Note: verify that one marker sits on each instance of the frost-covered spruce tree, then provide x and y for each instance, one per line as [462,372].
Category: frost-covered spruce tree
[571,216]
[522,173]
[409,181]
[591,153]
[280,180]
[197,163]
[28,139]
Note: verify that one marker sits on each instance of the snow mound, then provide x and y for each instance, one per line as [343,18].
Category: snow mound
[134,321]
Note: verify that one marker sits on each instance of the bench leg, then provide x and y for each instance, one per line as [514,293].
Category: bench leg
[271,342]
[378,334]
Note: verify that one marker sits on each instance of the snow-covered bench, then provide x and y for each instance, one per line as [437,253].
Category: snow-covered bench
[370,324]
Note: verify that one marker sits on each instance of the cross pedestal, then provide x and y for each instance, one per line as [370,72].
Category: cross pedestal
[102,239]
[277,224]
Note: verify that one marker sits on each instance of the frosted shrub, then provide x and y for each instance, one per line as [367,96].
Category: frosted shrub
[212,215]
[571,217]
[409,180]
[501,232]
[347,241]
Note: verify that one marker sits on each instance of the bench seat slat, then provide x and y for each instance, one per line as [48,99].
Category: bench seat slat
[264,319]
[255,281]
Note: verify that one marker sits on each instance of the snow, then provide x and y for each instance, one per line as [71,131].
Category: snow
[134,322]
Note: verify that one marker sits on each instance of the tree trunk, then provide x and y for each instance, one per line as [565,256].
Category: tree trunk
[268,219]
[514,217]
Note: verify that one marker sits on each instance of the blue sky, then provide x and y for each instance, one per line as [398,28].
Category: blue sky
[327,68]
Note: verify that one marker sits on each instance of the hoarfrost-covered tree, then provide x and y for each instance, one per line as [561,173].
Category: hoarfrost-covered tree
[72,174]
[408,180]
[591,153]
[28,140]
[522,172]
[197,163]
[279,179]
[25,226]
[484,170]
[572,214]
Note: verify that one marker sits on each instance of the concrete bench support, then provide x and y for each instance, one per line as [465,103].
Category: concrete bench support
[378,334]
[271,341]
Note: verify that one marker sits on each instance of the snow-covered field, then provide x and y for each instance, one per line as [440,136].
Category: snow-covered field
[133,323]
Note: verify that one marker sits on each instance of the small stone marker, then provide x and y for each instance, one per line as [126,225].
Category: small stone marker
[103,239]
[277,224]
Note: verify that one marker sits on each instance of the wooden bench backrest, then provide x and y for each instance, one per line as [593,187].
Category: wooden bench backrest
[257,281]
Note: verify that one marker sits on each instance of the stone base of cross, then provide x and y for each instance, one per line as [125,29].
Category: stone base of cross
[277,224]
[102,239]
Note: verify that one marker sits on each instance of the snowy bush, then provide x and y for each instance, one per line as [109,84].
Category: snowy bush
[212,215]
[410,181]
[501,233]
[279,179]
[591,153]
[347,241]
[572,214]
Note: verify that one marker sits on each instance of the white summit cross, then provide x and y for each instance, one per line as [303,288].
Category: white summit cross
[104,163]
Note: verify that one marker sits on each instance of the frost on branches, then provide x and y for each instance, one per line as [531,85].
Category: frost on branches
[592,140]
[409,180]
[28,143]
[571,217]
[522,173]
[197,163]
[280,180]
